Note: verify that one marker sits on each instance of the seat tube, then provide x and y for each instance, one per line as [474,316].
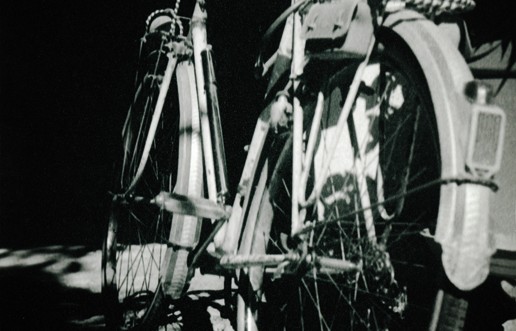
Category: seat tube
[297,148]
[199,38]
[215,125]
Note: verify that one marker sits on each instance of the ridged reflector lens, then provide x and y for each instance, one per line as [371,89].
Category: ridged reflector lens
[486,139]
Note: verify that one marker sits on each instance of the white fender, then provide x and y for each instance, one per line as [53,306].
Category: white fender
[462,225]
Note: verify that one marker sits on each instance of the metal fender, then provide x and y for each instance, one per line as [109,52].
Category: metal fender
[462,225]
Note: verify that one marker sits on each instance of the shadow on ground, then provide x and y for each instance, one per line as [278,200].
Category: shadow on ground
[34,297]
[58,288]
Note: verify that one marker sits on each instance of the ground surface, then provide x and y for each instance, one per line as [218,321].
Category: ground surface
[58,288]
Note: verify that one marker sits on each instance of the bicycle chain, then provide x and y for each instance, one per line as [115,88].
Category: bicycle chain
[172,13]
[438,7]
[176,7]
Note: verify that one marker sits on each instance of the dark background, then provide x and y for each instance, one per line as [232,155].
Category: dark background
[66,82]
[67,74]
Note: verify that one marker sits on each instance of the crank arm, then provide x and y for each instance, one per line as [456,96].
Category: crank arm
[324,264]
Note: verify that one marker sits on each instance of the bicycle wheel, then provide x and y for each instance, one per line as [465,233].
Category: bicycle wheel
[146,247]
[378,209]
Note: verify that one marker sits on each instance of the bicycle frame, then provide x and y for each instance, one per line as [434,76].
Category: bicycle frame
[367,102]
[465,205]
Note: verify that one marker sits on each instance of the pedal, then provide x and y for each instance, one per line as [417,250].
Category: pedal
[193,206]
[330,265]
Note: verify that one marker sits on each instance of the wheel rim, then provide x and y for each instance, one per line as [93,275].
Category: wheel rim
[138,231]
[396,287]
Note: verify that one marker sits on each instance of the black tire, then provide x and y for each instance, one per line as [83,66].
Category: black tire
[144,258]
[452,313]
[402,274]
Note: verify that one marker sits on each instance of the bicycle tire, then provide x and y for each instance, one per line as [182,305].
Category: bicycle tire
[453,311]
[146,249]
[397,287]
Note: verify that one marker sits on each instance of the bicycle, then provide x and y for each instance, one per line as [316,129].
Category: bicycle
[360,251]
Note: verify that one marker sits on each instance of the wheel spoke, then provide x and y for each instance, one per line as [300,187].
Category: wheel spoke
[141,230]
[372,209]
